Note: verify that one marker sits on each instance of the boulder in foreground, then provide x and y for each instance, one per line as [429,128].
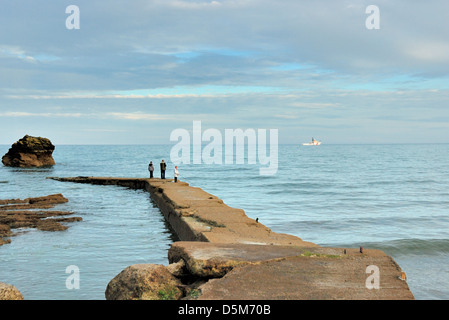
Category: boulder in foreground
[9,292]
[144,282]
[30,152]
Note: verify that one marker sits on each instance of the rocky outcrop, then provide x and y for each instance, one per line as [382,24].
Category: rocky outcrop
[32,213]
[30,152]
[144,282]
[9,292]
[5,231]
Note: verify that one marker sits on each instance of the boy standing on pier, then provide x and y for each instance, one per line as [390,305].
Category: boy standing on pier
[176,174]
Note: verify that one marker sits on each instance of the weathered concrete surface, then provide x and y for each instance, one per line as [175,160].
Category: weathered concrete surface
[231,256]
[306,278]
[252,272]
[214,260]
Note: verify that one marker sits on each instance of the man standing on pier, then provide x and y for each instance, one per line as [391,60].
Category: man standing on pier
[151,169]
[163,168]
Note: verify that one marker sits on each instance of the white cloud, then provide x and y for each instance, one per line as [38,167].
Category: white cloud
[315,105]
[114,96]
[136,116]
[103,130]
[286,116]
[429,51]
[18,114]
[192,4]
[115,115]
[15,52]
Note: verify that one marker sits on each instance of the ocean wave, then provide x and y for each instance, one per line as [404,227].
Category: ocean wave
[299,186]
[411,246]
[383,182]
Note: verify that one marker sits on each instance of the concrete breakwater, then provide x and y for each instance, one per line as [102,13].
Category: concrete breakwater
[224,254]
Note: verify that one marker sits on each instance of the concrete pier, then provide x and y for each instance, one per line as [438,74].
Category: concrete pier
[239,258]
[195,215]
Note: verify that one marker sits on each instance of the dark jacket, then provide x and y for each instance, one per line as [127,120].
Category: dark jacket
[163,166]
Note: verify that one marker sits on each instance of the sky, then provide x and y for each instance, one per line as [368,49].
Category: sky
[136,70]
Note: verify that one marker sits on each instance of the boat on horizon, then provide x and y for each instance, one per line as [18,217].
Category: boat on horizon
[313,143]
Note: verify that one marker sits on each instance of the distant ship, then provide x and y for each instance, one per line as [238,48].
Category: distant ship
[313,143]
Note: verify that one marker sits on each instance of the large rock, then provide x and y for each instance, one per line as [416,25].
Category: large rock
[144,282]
[9,292]
[30,152]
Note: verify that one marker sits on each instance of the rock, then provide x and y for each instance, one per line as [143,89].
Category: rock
[177,269]
[50,225]
[9,292]
[51,199]
[27,213]
[144,282]
[5,230]
[46,202]
[30,152]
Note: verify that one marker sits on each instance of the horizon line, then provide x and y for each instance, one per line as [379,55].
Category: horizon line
[206,143]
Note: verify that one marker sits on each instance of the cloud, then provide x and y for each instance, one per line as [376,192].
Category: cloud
[437,52]
[115,115]
[108,96]
[103,130]
[315,105]
[286,116]
[136,116]
[182,92]
[172,43]
[191,4]
[15,52]
[18,114]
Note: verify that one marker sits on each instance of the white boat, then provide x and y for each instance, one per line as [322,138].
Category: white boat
[313,143]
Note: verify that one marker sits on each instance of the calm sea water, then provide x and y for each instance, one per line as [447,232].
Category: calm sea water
[389,197]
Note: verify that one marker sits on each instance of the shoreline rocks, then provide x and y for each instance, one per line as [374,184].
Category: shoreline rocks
[32,213]
[30,152]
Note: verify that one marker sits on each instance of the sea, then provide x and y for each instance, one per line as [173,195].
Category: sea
[392,197]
